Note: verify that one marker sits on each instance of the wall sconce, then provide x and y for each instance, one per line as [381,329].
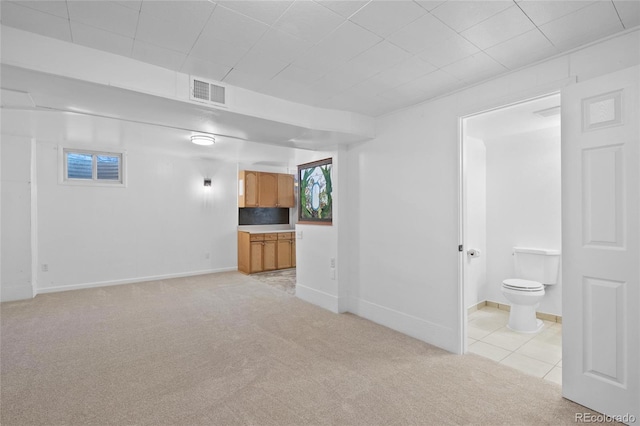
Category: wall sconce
[207,182]
[203,139]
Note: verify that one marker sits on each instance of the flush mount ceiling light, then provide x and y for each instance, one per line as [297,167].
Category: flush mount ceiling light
[203,139]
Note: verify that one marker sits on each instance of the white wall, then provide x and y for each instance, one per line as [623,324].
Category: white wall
[403,204]
[163,224]
[16,275]
[523,206]
[316,245]
[475,197]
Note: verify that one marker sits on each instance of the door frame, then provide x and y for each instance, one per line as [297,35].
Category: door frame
[462,309]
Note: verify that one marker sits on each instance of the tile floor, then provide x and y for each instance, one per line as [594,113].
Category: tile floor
[538,354]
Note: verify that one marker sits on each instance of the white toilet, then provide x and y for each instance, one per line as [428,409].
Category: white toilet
[534,269]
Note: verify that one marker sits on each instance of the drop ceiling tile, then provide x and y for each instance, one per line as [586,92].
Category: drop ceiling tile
[543,11]
[105,15]
[475,68]
[524,49]
[281,45]
[210,49]
[53,7]
[429,4]
[462,15]
[420,33]
[338,80]
[101,39]
[159,56]
[348,41]
[264,11]
[233,28]
[131,4]
[205,69]
[587,24]
[182,12]
[297,75]
[309,21]
[343,8]
[500,27]
[167,34]
[370,87]
[404,72]
[436,82]
[629,12]
[343,102]
[239,78]
[293,92]
[385,17]
[263,66]
[380,57]
[448,51]
[27,19]
[320,60]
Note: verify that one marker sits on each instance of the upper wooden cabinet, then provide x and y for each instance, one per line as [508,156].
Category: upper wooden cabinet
[261,189]
[285,191]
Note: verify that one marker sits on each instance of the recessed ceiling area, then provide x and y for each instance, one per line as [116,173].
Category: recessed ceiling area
[368,57]
[43,106]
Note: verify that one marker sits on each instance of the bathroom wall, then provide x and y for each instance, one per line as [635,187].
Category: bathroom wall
[475,197]
[523,205]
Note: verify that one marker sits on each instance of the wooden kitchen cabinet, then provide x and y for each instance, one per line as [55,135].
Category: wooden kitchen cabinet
[247,188]
[265,251]
[285,191]
[267,189]
[262,189]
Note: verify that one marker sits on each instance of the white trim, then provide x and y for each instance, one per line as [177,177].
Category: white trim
[131,280]
[33,188]
[413,326]
[11,294]
[318,298]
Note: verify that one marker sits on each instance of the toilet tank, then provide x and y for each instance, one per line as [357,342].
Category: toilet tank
[535,264]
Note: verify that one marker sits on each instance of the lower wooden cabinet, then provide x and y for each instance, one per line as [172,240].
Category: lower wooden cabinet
[265,251]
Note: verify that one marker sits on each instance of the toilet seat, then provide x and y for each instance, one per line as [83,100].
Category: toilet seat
[518,284]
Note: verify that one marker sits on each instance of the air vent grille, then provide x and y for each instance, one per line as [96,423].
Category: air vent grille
[200,90]
[205,91]
[217,93]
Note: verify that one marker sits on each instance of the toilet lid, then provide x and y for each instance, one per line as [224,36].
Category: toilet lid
[519,284]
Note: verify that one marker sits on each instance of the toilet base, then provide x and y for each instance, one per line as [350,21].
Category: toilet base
[523,319]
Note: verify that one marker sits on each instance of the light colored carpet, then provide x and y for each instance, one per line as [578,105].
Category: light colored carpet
[223,349]
[284,279]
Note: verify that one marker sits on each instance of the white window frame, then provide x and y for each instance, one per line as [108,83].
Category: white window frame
[94,181]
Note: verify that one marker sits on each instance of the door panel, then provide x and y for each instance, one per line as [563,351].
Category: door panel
[601,244]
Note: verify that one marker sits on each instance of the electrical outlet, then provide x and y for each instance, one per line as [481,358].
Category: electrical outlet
[45,267]
[332,262]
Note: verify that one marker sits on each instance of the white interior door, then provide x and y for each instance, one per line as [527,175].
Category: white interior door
[600,244]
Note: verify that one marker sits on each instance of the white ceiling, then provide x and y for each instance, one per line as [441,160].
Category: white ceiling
[370,57]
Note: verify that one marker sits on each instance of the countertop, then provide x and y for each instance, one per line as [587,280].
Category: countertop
[266,229]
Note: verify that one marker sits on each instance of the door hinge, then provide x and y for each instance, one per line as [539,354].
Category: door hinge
[460,248]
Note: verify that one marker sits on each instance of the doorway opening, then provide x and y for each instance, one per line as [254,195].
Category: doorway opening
[511,200]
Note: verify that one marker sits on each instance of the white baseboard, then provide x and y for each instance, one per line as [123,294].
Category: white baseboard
[130,280]
[318,298]
[10,294]
[418,328]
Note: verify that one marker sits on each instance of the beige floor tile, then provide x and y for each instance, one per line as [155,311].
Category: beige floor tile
[488,351]
[507,339]
[490,324]
[541,350]
[555,375]
[527,365]
[476,333]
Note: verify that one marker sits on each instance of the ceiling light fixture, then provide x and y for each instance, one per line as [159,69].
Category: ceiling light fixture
[203,139]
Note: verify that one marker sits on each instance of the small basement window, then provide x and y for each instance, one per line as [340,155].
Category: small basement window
[92,167]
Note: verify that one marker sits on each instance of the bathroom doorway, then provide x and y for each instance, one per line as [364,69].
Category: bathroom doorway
[511,197]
